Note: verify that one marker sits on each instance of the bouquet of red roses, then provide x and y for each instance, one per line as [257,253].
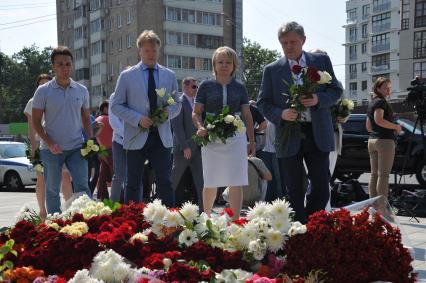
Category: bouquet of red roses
[305,82]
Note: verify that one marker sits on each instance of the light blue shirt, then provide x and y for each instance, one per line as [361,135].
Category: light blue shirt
[62,112]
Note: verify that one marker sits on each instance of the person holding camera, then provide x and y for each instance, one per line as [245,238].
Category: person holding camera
[381,143]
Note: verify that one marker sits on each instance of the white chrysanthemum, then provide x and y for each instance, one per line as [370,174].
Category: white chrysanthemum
[280,208]
[260,209]
[109,266]
[78,204]
[297,228]
[261,224]
[83,276]
[139,236]
[155,211]
[189,211]
[233,275]
[157,229]
[23,213]
[95,209]
[280,224]
[188,237]
[248,233]
[258,249]
[274,240]
[173,219]
[77,229]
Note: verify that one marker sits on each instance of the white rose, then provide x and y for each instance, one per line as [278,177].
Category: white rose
[94,148]
[325,77]
[90,143]
[39,168]
[161,92]
[83,152]
[350,105]
[229,119]
[171,101]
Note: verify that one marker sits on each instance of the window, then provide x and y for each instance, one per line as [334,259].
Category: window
[95,70]
[419,44]
[420,14]
[129,17]
[111,69]
[352,90]
[363,67]
[82,74]
[405,14]
[80,53]
[381,61]
[188,62]
[363,85]
[174,61]
[96,4]
[173,37]
[119,22]
[120,44]
[96,25]
[420,69]
[78,33]
[98,47]
[209,41]
[351,14]
[365,11]
[364,31]
[353,34]
[129,41]
[381,22]
[352,52]
[380,42]
[352,71]
[96,90]
[111,47]
[173,14]
[364,48]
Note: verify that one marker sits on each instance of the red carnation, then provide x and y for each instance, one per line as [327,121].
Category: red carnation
[296,69]
[313,75]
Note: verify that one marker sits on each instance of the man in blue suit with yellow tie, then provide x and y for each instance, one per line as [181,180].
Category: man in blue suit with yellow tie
[135,99]
[314,139]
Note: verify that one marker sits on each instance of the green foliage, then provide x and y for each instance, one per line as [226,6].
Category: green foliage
[18,75]
[255,58]
[111,204]
[6,249]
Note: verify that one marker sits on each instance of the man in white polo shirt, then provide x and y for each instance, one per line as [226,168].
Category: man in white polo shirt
[65,105]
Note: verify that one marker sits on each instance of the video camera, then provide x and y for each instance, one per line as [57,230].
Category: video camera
[417,96]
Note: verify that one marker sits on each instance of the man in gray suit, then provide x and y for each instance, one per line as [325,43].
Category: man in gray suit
[314,139]
[186,153]
[135,99]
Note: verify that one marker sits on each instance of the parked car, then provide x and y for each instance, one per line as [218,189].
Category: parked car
[16,171]
[355,159]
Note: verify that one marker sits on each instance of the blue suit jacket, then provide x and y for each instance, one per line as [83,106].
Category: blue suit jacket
[274,98]
[131,102]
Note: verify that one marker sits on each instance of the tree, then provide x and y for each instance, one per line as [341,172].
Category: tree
[255,58]
[18,75]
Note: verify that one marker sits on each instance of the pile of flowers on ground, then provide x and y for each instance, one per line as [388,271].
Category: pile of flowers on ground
[104,242]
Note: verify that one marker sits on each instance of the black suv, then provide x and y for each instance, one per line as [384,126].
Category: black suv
[355,159]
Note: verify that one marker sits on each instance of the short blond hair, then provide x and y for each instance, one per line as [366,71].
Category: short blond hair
[148,36]
[228,51]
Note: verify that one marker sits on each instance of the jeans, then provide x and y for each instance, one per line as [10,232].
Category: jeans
[119,165]
[77,166]
[160,158]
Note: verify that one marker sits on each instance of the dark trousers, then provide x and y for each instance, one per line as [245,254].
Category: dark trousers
[161,162]
[293,172]
[94,163]
[106,172]
[275,189]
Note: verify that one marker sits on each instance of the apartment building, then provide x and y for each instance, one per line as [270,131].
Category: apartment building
[413,41]
[103,33]
[372,46]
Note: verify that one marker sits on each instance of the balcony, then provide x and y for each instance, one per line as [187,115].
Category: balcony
[352,75]
[380,68]
[351,21]
[353,94]
[381,47]
[352,38]
[381,28]
[382,7]
[352,56]
[365,17]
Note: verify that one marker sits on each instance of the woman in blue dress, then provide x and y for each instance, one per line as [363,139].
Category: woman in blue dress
[224,165]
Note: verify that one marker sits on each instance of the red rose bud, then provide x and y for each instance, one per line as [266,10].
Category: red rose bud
[313,75]
[296,69]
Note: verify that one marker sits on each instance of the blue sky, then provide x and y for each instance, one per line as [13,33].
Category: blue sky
[323,21]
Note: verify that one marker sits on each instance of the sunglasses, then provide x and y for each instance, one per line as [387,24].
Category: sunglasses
[194,87]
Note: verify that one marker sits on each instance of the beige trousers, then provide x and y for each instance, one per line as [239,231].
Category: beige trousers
[382,153]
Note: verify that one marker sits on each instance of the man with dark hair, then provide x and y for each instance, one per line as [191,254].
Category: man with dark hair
[314,139]
[65,105]
[186,153]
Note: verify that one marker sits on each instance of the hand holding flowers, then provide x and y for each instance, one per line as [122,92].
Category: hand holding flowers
[160,114]
[90,149]
[33,156]
[342,109]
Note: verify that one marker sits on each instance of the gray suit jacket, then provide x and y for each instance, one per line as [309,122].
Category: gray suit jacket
[274,98]
[131,102]
[184,129]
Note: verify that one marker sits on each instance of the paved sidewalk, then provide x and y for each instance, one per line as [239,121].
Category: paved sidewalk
[414,234]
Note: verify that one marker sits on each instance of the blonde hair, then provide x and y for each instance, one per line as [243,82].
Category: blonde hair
[148,36]
[228,51]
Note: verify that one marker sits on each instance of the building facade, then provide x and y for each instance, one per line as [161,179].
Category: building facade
[413,41]
[102,35]
[372,46]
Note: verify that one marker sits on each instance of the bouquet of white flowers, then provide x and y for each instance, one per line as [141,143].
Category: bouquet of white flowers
[90,148]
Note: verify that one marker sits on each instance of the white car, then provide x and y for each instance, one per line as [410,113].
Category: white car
[16,171]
